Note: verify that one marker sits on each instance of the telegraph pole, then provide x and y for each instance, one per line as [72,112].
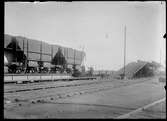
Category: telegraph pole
[124,49]
[27,55]
[41,52]
[51,52]
[160,56]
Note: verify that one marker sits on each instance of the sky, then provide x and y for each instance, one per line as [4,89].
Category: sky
[95,27]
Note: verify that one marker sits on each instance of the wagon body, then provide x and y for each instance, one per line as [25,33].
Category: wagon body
[36,50]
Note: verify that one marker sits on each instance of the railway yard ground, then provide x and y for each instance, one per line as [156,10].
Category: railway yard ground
[100,98]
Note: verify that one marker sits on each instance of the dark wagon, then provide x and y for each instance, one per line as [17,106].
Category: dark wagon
[33,56]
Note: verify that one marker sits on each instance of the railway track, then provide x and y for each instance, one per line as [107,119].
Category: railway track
[50,86]
[87,89]
[116,111]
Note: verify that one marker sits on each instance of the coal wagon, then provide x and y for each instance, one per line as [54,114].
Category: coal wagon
[34,56]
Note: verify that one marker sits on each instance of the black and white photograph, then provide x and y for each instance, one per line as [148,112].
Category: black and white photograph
[84,60]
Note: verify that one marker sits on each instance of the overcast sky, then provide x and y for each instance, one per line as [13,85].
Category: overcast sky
[98,27]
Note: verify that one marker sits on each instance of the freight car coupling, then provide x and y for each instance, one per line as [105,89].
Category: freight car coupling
[33,78]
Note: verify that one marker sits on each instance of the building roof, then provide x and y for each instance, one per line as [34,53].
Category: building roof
[131,69]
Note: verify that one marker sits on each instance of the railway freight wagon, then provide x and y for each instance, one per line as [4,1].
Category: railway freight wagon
[21,53]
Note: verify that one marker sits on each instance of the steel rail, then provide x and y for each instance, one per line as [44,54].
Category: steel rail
[140,109]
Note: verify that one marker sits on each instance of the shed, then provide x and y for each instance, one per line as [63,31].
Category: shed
[136,70]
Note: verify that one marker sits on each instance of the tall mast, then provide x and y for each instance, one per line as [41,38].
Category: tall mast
[41,51]
[124,49]
[27,54]
[160,56]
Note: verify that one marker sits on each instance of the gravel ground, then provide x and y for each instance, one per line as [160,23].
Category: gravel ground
[99,100]
[153,112]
